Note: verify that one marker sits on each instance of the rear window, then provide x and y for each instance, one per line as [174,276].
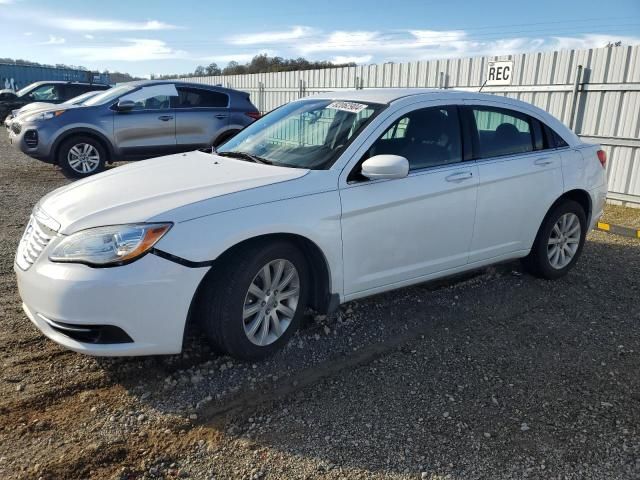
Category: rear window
[501,132]
[200,98]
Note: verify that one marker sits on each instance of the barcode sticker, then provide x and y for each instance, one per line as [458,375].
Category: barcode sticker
[347,106]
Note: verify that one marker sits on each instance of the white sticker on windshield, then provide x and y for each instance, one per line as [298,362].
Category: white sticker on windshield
[347,106]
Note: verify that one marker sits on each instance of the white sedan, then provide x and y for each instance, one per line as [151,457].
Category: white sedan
[324,200]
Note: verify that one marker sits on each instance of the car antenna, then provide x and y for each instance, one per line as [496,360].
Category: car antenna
[485,82]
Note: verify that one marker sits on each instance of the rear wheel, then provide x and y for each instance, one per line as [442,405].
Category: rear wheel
[81,156]
[252,305]
[224,137]
[559,242]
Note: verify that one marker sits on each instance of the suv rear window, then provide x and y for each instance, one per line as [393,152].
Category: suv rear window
[201,98]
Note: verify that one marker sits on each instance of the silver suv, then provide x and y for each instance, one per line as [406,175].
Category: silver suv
[133,121]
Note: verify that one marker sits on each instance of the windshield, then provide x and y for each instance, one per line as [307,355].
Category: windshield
[306,134]
[80,99]
[25,90]
[109,95]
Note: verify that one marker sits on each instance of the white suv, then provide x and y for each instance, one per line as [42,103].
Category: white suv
[324,200]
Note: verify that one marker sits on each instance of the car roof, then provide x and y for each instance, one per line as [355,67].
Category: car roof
[390,95]
[181,83]
[66,82]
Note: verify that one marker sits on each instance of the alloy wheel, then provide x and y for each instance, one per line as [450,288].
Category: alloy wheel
[271,302]
[83,158]
[564,240]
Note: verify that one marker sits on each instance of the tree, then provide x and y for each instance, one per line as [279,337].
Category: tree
[213,69]
[199,71]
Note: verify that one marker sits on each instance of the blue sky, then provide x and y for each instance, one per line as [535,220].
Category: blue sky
[161,36]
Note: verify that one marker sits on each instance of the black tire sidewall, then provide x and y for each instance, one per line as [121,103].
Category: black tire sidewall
[226,136]
[64,151]
[539,258]
[225,293]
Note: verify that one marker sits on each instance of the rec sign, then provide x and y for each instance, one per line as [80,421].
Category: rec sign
[499,73]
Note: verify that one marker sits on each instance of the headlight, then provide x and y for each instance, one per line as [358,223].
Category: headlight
[43,116]
[109,246]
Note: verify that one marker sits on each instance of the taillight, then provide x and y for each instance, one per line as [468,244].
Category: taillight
[254,115]
[602,156]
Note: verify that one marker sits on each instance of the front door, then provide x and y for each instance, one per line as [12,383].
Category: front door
[400,231]
[150,128]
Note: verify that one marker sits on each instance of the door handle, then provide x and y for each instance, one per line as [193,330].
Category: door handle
[221,115]
[165,118]
[459,177]
[543,161]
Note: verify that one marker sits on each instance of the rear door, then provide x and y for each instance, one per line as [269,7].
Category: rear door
[150,128]
[201,115]
[518,180]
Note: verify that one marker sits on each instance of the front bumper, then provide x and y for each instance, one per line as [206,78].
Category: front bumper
[21,137]
[148,299]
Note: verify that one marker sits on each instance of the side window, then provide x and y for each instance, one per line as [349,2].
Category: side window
[46,93]
[397,130]
[75,90]
[427,138]
[501,132]
[150,102]
[201,98]
[553,139]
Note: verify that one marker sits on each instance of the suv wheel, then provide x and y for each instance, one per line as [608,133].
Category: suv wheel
[251,306]
[224,137]
[559,242]
[81,156]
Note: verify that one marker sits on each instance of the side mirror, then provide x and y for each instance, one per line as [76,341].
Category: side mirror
[125,105]
[385,166]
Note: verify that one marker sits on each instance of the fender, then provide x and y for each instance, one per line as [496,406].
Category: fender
[82,131]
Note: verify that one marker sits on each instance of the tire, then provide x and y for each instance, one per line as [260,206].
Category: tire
[558,245]
[225,300]
[81,156]
[224,137]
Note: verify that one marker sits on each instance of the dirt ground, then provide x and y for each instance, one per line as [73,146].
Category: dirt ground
[623,216]
[495,375]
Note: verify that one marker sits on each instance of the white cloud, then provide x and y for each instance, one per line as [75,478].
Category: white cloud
[28,34]
[399,46]
[53,40]
[593,40]
[93,24]
[88,36]
[294,33]
[133,50]
[347,59]
[238,57]
[5,2]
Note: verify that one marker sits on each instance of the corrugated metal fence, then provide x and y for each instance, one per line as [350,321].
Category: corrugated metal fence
[16,76]
[596,92]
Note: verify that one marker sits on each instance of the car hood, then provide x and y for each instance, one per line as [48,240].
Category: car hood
[31,107]
[142,190]
[40,107]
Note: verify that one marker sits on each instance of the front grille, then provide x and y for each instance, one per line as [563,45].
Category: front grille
[31,138]
[16,127]
[34,240]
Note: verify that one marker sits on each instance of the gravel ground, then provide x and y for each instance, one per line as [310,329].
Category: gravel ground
[493,374]
[624,216]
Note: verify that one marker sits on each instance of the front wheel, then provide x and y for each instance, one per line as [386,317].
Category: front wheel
[559,242]
[254,302]
[81,156]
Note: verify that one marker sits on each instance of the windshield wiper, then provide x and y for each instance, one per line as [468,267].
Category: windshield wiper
[245,156]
